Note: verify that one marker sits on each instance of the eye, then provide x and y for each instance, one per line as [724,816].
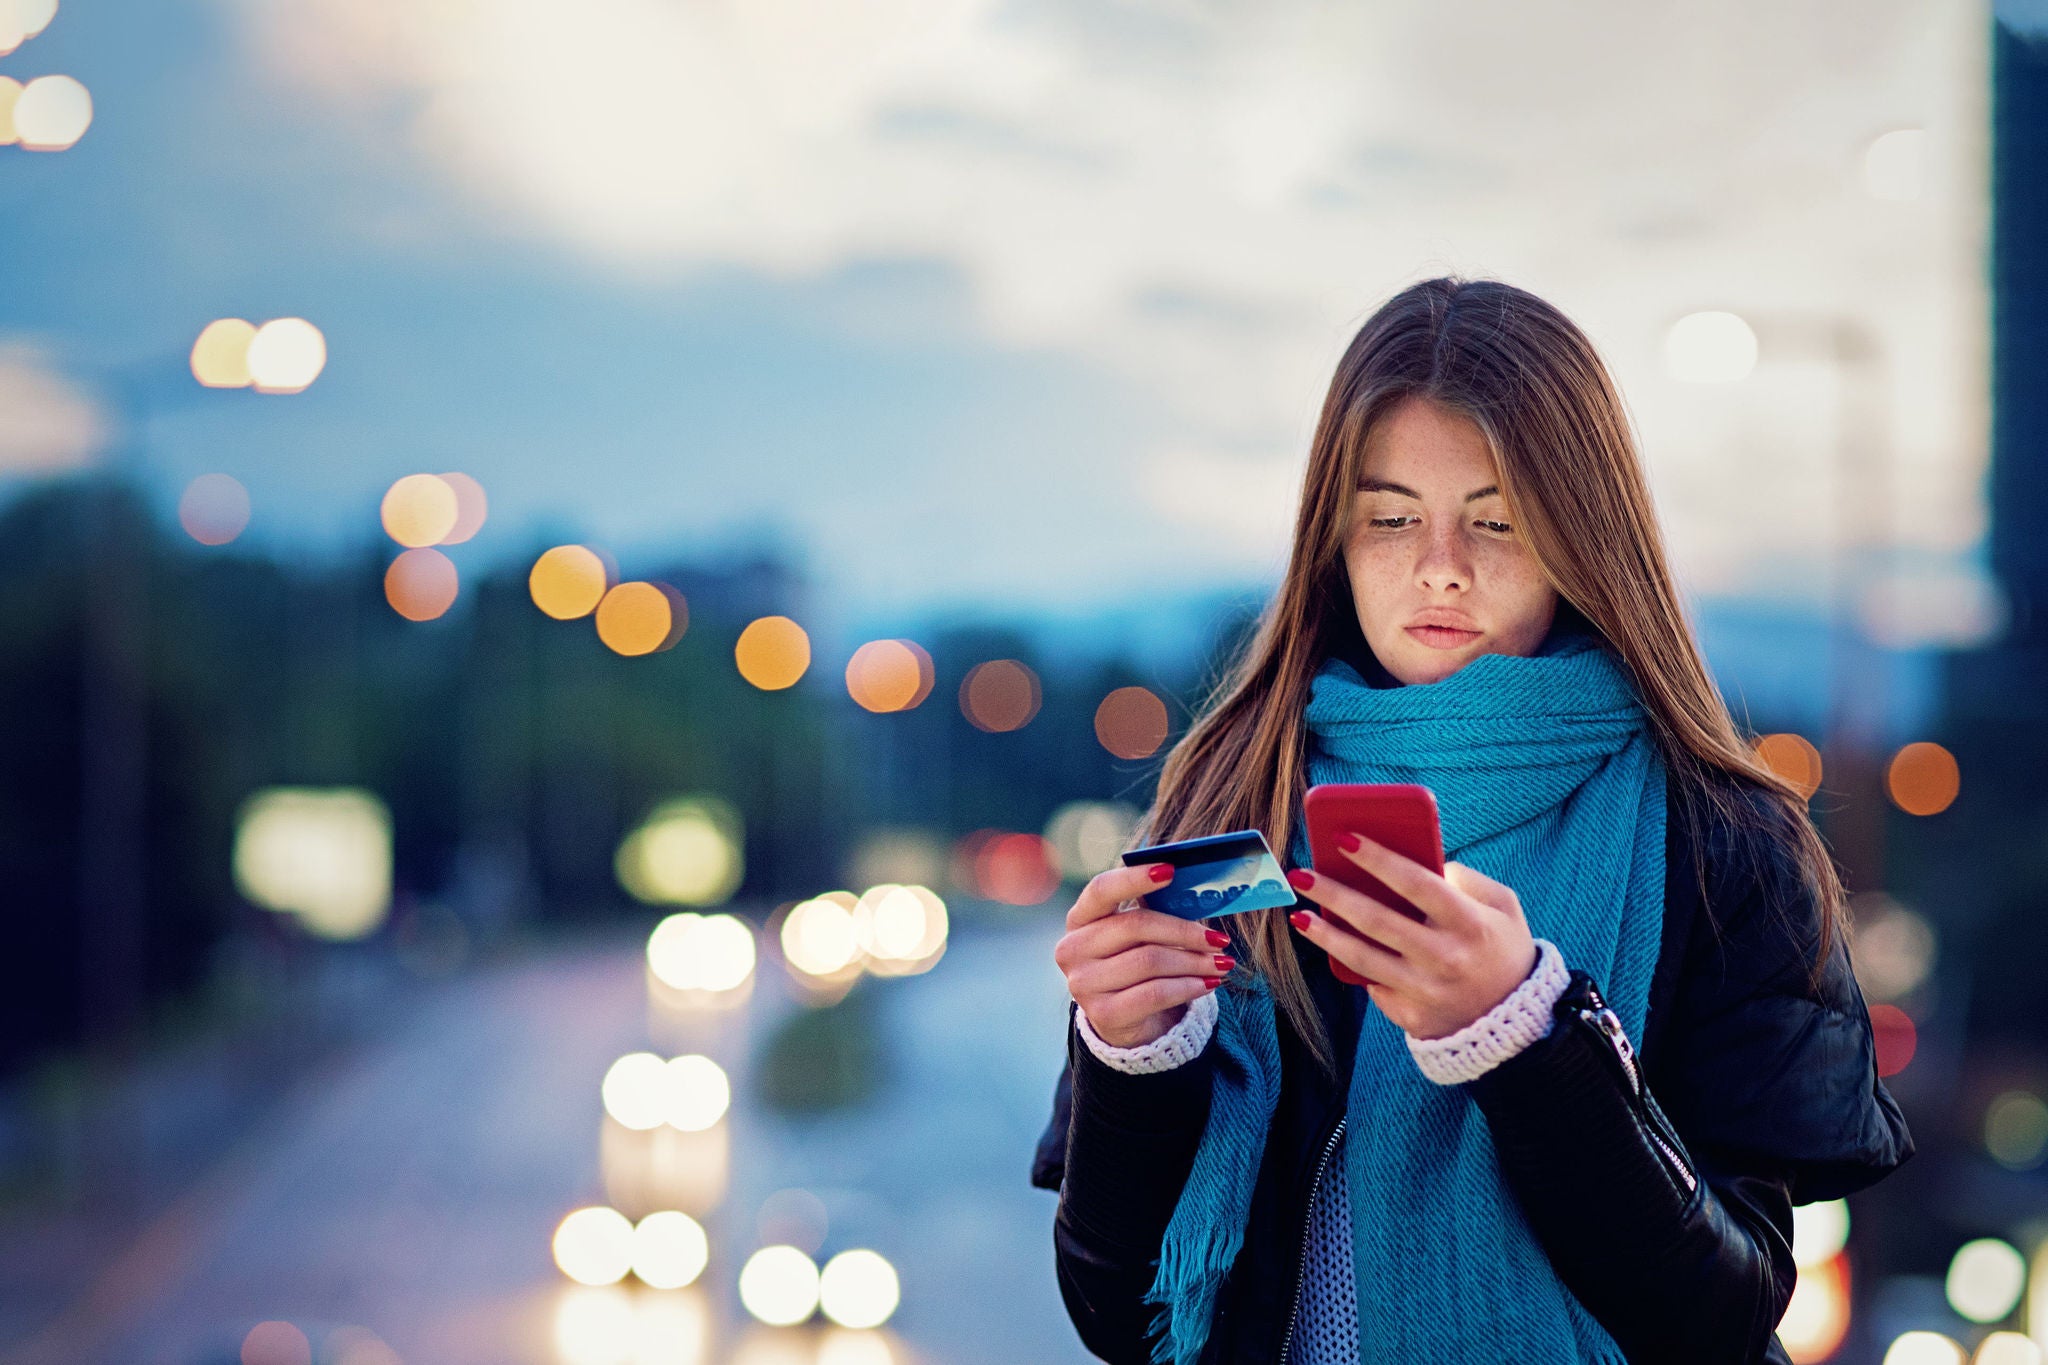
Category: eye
[1500,526]
[1385,521]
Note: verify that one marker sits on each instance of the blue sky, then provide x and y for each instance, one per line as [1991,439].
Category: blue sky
[1019,308]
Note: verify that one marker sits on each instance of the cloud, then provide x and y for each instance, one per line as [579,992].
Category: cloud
[1207,200]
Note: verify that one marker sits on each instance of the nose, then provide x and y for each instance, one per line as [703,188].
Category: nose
[1444,564]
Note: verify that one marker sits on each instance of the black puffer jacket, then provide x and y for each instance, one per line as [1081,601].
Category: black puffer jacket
[1665,1205]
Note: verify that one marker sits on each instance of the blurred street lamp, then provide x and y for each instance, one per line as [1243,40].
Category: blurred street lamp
[1723,347]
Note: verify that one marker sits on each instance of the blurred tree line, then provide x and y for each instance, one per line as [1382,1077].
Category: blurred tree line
[154,684]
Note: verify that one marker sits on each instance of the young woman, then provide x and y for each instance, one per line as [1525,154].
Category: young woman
[1568,1119]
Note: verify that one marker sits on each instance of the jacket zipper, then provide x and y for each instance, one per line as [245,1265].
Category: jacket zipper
[1603,1019]
[1308,1223]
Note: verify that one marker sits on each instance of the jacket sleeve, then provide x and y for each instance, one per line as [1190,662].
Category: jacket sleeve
[1118,1150]
[1674,1226]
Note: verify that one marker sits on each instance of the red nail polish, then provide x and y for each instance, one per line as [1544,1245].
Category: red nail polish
[1218,939]
[1348,841]
[1301,877]
[1299,919]
[1161,872]
[1224,963]
[1212,983]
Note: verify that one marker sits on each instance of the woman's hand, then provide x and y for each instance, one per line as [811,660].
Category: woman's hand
[1430,977]
[1133,973]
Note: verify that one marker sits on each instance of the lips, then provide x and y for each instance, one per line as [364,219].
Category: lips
[1443,637]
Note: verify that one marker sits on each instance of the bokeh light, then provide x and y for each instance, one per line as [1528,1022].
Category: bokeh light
[697,1093]
[889,675]
[1819,1231]
[1922,779]
[1089,836]
[21,20]
[855,1346]
[1709,348]
[2006,1348]
[693,952]
[568,581]
[1896,1038]
[286,355]
[779,1285]
[1895,165]
[214,509]
[1985,1279]
[999,696]
[641,618]
[819,937]
[2016,1130]
[1923,1348]
[1817,1318]
[10,93]
[51,113]
[1014,868]
[220,355]
[421,585]
[1894,948]
[1131,723]
[669,1249]
[323,855]
[688,851]
[1792,757]
[858,1288]
[904,855]
[276,1343]
[773,653]
[635,1091]
[472,507]
[357,1346]
[418,510]
[900,929]
[594,1245]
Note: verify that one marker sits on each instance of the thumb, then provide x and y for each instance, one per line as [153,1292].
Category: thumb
[1483,889]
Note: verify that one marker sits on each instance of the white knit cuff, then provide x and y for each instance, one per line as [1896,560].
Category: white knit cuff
[1502,1031]
[1178,1045]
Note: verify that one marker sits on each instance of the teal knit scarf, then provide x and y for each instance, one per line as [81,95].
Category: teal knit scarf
[1546,779]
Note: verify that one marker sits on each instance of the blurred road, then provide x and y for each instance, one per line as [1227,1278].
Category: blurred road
[413,1189]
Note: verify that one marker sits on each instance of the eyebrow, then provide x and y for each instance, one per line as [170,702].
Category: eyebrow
[1383,486]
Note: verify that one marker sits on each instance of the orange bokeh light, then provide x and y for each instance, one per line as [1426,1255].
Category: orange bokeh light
[471,507]
[641,618]
[1817,1318]
[421,584]
[773,653]
[568,581]
[1131,723]
[999,696]
[214,509]
[419,510]
[1793,758]
[1896,1038]
[889,675]
[1923,779]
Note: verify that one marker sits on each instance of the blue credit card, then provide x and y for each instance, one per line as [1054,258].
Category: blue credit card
[1222,874]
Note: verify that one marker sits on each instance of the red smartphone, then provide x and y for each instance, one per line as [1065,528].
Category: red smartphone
[1401,815]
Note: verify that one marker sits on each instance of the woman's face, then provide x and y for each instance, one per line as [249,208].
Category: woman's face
[1438,573]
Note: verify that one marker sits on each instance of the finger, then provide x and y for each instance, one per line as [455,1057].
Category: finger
[1146,963]
[1105,891]
[1124,1008]
[1406,878]
[1372,918]
[1359,954]
[1140,926]
[1482,888]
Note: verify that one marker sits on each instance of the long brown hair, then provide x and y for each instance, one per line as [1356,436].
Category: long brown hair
[1574,485]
